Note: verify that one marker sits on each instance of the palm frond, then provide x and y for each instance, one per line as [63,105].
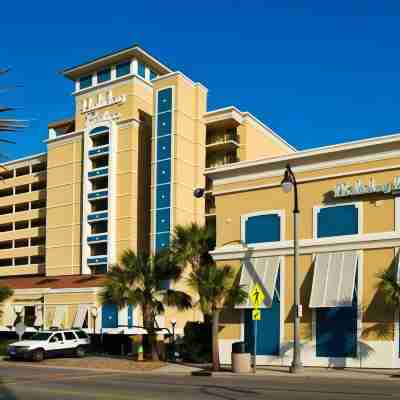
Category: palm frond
[390,288]
[176,298]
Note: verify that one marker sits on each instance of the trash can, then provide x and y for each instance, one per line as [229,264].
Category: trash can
[241,361]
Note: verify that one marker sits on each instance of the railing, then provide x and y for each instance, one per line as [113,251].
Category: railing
[99,151]
[218,138]
[98,216]
[101,194]
[97,238]
[98,172]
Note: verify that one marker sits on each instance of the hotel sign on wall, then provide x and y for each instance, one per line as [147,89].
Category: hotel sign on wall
[359,188]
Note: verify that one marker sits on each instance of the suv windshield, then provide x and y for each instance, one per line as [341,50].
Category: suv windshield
[41,336]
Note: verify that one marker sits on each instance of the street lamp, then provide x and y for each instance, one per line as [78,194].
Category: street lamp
[288,183]
[94,312]
[173,323]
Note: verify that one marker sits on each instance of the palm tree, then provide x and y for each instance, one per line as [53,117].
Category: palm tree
[5,293]
[390,288]
[217,289]
[8,124]
[191,245]
[139,280]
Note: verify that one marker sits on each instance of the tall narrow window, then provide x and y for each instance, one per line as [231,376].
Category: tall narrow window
[141,69]
[104,75]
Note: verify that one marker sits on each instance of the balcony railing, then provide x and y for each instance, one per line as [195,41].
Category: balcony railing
[98,173]
[101,237]
[98,216]
[97,260]
[216,138]
[99,151]
[99,194]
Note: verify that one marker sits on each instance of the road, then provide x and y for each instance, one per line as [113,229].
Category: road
[34,383]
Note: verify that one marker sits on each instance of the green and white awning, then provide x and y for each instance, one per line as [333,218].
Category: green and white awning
[262,271]
[334,279]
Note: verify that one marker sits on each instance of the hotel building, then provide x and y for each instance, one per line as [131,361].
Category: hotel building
[119,174]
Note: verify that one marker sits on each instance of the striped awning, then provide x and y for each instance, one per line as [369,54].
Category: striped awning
[80,316]
[262,271]
[334,279]
[38,315]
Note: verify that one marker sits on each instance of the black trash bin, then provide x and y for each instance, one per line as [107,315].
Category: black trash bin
[239,347]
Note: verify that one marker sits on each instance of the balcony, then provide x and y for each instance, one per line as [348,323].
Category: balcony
[214,161]
[99,151]
[98,173]
[97,238]
[99,194]
[225,141]
[96,260]
[98,216]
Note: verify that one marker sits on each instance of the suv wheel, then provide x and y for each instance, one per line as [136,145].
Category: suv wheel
[80,351]
[38,355]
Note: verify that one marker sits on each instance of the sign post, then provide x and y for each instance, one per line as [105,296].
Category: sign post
[257,298]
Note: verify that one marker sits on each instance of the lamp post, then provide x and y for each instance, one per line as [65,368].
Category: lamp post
[173,323]
[288,183]
[94,313]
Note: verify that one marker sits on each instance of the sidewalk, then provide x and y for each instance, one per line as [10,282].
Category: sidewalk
[124,366]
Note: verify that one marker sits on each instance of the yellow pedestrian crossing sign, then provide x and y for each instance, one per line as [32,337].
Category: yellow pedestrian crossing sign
[257,296]
[256,314]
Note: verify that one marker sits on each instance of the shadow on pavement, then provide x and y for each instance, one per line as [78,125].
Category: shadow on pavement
[5,392]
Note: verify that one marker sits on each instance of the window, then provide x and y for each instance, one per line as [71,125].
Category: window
[38,185]
[7,174]
[21,207]
[6,210]
[263,227]
[153,75]
[35,223]
[37,259]
[85,82]
[38,167]
[6,227]
[7,244]
[38,241]
[21,261]
[57,337]
[21,225]
[22,189]
[6,192]
[69,336]
[336,220]
[123,69]
[141,69]
[22,171]
[21,243]
[6,262]
[38,204]
[104,75]
[81,334]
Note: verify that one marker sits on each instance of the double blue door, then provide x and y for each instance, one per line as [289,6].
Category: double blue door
[268,328]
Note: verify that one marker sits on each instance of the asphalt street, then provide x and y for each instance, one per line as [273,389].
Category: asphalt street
[33,383]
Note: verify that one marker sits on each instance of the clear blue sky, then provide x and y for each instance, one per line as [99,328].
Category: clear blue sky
[316,72]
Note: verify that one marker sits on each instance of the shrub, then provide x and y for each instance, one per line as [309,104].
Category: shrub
[197,342]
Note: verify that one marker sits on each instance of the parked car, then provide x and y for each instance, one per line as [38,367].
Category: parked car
[46,344]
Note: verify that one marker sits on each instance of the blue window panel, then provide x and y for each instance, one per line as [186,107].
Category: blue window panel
[337,221]
[141,69]
[130,316]
[163,220]
[164,124]
[163,172]
[164,100]
[153,75]
[163,196]
[109,316]
[97,238]
[263,228]
[104,75]
[99,151]
[162,241]
[123,69]
[98,195]
[268,328]
[99,129]
[97,217]
[98,172]
[164,147]
[85,82]
[97,260]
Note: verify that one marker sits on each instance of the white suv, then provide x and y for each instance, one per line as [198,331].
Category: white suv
[50,344]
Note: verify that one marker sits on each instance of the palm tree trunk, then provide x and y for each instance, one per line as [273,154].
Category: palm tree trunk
[148,323]
[215,347]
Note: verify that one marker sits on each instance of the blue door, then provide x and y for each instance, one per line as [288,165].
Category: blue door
[130,316]
[336,331]
[268,328]
[109,316]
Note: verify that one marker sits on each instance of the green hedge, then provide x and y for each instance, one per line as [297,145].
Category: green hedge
[197,342]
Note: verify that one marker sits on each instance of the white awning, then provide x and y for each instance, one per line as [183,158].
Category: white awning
[38,315]
[334,279]
[80,316]
[264,271]
[9,315]
[59,316]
